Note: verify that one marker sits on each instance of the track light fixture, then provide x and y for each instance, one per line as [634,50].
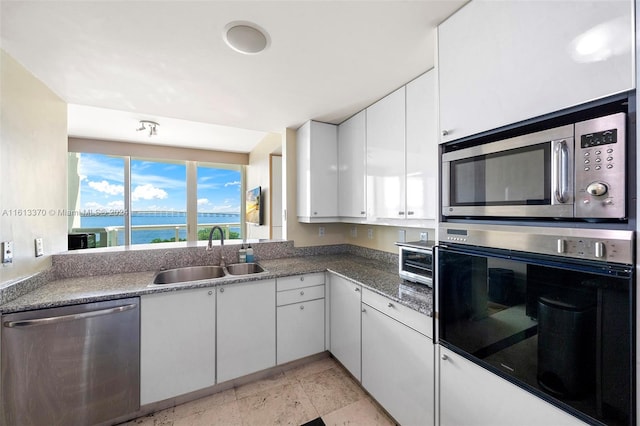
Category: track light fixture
[150,126]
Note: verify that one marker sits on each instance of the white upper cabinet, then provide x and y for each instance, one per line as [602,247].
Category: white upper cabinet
[386,157]
[317,155]
[422,148]
[504,62]
[352,165]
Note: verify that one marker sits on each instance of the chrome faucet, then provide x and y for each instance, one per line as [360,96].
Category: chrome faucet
[210,245]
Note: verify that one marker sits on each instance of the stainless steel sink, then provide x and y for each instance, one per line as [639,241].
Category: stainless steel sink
[244,268]
[190,273]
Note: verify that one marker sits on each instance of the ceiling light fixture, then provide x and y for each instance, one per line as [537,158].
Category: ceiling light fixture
[246,37]
[151,126]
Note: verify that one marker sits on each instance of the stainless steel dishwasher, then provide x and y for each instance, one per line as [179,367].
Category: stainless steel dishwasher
[72,365]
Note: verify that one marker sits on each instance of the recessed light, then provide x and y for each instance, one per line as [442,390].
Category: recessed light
[246,37]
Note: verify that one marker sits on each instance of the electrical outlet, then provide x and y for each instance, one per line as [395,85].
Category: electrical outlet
[370,233]
[39,247]
[354,232]
[321,231]
[423,236]
[7,252]
[402,236]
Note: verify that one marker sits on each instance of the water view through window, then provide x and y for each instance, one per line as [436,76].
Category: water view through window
[158,194]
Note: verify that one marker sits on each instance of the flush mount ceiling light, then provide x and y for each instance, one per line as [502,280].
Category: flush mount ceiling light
[150,126]
[246,37]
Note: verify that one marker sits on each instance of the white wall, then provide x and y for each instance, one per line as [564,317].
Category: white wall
[33,169]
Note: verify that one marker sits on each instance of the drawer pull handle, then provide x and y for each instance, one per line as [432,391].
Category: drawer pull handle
[444,357]
[301,307]
[301,278]
[390,305]
[210,293]
[302,293]
[222,290]
[364,310]
[356,289]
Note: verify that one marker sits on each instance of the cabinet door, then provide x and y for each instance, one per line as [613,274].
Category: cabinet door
[503,62]
[300,330]
[352,156]
[386,157]
[177,343]
[246,328]
[345,323]
[471,395]
[422,148]
[398,368]
[317,159]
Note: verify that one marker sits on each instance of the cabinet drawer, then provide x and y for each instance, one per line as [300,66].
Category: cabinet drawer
[299,295]
[414,319]
[298,281]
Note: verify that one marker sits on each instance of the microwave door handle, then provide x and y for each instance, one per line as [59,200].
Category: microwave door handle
[560,173]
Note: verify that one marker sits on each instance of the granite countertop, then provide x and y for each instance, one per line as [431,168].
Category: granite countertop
[378,276]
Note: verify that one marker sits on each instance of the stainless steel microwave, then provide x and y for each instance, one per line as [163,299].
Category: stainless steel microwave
[573,171]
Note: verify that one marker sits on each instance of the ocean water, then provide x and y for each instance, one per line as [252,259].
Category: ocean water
[153,218]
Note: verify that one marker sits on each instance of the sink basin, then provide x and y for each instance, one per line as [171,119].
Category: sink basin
[190,273]
[244,268]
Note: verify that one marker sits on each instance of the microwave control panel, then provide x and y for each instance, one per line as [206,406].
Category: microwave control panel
[600,167]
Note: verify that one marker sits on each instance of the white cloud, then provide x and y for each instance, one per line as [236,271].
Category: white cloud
[106,187]
[116,205]
[203,201]
[148,192]
[235,183]
[92,205]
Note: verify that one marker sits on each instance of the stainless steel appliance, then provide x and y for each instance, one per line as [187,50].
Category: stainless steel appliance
[550,309]
[573,171]
[73,365]
[415,261]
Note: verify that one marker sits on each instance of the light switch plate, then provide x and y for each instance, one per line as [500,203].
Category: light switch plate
[7,252]
[321,231]
[39,247]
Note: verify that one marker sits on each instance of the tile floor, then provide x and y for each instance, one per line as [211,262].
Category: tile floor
[290,397]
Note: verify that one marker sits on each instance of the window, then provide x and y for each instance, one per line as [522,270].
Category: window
[158,201]
[158,197]
[219,201]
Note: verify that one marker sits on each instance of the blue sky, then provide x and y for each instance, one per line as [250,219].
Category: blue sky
[155,185]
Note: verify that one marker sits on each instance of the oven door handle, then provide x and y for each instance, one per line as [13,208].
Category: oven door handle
[560,172]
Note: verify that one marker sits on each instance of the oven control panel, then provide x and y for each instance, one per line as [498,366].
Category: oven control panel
[590,244]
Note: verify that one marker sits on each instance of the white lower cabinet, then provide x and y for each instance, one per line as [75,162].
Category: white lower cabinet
[178,347]
[300,316]
[345,323]
[246,328]
[300,330]
[473,396]
[398,368]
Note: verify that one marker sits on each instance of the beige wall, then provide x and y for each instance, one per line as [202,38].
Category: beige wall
[258,174]
[384,237]
[33,169]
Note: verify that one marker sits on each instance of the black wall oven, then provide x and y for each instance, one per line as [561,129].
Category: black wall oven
[549,309]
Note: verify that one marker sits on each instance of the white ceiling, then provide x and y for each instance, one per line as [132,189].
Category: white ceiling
[118,62]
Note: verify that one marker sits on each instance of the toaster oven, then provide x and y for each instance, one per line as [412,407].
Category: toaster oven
[415,262]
